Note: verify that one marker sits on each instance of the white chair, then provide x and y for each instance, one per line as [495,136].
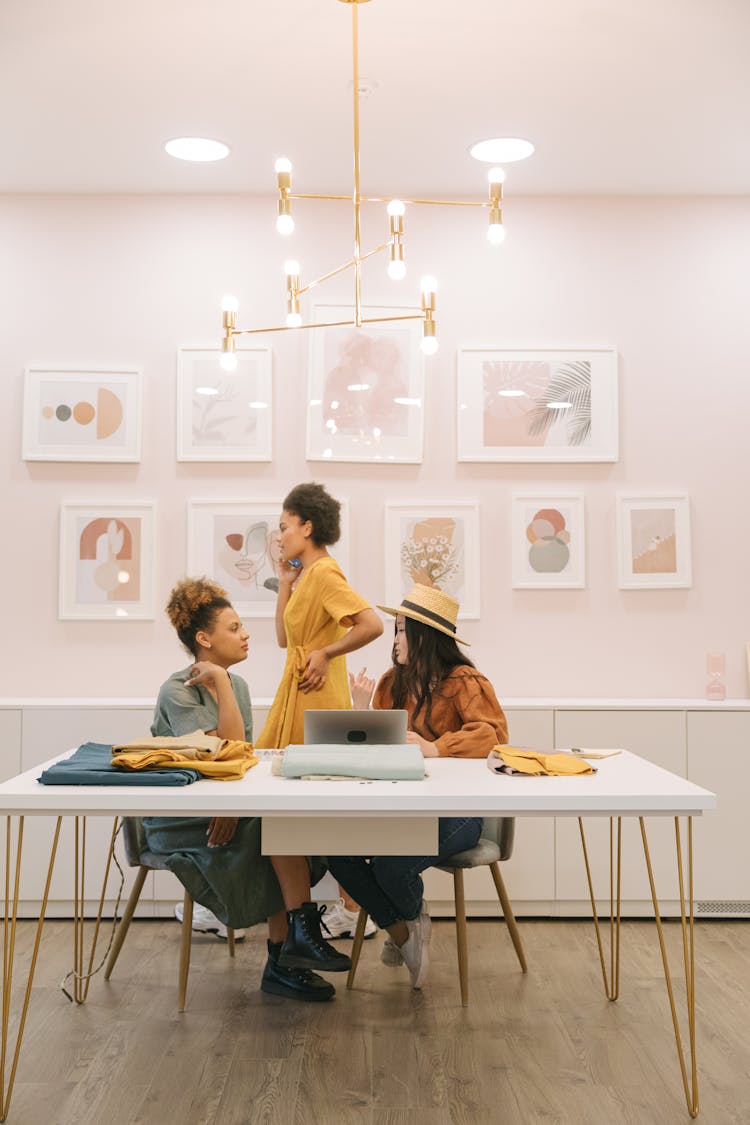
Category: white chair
[138,855]
[493,847]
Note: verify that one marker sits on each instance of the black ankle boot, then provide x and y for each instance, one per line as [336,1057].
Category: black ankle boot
[296,984]
[305,947]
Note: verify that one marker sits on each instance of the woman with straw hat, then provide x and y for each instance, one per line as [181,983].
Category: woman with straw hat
[453,712]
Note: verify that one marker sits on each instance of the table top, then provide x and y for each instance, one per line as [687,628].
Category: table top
[624,785]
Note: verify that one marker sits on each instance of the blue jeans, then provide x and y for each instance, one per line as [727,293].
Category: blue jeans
[389,887]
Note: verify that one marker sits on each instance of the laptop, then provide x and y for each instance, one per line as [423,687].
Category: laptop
[355,728]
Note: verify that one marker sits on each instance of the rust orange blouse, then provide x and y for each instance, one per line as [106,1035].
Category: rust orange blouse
[465,708]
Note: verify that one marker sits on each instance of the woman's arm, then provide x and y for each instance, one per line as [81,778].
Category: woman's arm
[230,723]
[366,626]
[467,710]
[288,575]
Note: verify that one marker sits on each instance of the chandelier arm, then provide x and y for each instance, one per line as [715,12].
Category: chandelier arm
[340,269]
[357,206]
[386,319]
[328,324]
[387,199]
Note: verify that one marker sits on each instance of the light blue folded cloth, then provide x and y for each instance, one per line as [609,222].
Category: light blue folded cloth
[374,763]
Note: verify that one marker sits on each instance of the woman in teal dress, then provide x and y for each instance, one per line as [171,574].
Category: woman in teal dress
[219,859]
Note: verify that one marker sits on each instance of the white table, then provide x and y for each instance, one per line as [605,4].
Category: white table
[308,817]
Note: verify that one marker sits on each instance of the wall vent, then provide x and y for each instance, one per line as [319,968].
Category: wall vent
[722,908]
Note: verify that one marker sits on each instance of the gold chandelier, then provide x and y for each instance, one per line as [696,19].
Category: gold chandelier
[394,245]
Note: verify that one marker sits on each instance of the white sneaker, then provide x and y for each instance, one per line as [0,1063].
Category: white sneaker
[204,922]
[338,922]
[415,950]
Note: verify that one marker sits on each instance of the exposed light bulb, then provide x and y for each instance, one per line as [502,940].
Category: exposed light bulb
[282,165]
[293,320]
[396,207]
[291,268]
[428,284]
[496,233]
[396,270]
[228,361]
[496,176]
[429,345]
[229,303]
[285,224]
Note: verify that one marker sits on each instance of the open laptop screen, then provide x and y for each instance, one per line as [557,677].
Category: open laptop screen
[355,728]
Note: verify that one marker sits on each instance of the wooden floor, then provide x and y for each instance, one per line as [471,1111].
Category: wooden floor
[546,1047]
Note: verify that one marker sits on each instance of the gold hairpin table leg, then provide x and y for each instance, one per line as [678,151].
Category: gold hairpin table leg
[12,884]
[688,950]
[81,980]
[611,980]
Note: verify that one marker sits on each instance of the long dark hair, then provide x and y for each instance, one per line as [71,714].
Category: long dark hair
[432,656]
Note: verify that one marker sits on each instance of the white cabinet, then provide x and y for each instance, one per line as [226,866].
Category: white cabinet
[658,736]
[45,732]
[718,755]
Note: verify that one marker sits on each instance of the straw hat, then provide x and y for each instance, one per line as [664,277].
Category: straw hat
[432,607]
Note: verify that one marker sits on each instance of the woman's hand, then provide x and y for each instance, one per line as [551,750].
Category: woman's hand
[429,749]
[204,672]
[316,671]
[221,830]
[361,687]
[289,575]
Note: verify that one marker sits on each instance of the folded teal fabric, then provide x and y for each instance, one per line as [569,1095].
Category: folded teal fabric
[373,763]
[91,765]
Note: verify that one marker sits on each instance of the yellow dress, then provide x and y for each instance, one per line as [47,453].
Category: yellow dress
[319,612]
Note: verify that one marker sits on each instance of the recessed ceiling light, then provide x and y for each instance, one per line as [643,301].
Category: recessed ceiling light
[501,150]
[196,148]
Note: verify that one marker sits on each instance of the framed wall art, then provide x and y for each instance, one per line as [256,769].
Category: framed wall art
[437,545]
[107,562]
[537,404]
[238,544]
[224,415]
[365,388]
[81,414]
[653,541]
[548,541]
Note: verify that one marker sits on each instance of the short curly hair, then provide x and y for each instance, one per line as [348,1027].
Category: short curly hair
[193,605]
[312,502]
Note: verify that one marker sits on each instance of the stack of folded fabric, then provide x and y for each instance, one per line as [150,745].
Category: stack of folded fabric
[535,763]
[222,759]
[372,763]
[91,764]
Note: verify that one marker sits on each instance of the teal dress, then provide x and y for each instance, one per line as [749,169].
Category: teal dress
[234,881]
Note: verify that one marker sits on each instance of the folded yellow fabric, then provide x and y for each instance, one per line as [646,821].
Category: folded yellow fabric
[224,760]
[538,763]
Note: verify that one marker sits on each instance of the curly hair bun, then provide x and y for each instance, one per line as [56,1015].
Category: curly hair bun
[189,597]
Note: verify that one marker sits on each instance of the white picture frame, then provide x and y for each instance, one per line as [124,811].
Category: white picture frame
[80,413]
[236,543]
[505,400]
[107,570]
[365,399]
[437,544]
[224,415]
[548,540]
[653,541]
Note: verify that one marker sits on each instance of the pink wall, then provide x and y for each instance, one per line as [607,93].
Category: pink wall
[122,280]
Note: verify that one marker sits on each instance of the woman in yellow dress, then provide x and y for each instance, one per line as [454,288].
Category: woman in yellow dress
[319,617]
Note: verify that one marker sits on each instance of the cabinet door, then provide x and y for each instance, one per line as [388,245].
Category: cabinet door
[658,736]
[530,872]
[48,731]
[719,760]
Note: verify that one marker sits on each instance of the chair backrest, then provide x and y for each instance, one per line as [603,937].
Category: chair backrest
[501,830]
[134,839]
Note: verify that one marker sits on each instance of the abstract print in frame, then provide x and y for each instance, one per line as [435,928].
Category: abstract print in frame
[653,541]
[549,548]
[238,544]
[82,414]
[537,404]
[365,388]
[107,561]
[224,415]
[437,545]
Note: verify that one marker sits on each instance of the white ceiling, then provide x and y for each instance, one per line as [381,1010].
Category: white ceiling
[619,96]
